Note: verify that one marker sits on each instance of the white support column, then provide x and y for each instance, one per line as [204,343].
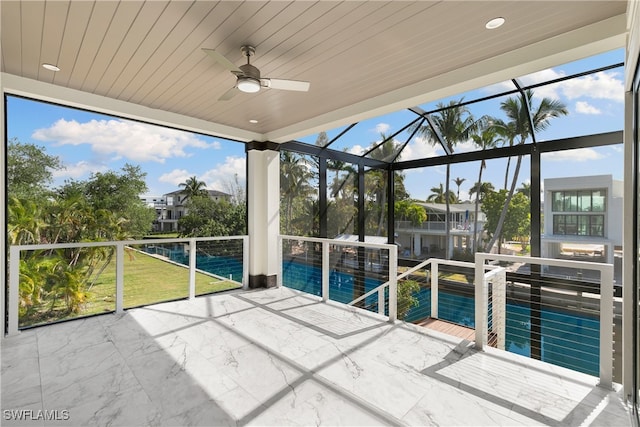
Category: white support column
[263,191]
[393,283]
[192,268]
[434,289]
[606,327]
[3,208]
[628,257]
[480,303]
[14,291]
[119,277]
[325,271]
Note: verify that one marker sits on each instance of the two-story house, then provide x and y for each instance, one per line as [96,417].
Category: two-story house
[582,217]
[429,238]
[175,207]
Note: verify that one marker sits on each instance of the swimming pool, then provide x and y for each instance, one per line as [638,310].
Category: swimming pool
[568,339]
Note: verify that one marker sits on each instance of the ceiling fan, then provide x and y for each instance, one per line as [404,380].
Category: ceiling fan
[248,76]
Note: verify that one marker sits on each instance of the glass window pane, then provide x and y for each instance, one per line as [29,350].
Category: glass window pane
[570,201]
[558,224]
[598,203]
[571,224]
[583,225]
[584,201]
[557,201]
[597,225]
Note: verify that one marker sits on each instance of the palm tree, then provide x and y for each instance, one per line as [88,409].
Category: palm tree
[485,139]
[376,180]
[459,182]
[525,188]
[517,110]
[438,195]
[294,183]
[455,123]
[193,187]
[482,190]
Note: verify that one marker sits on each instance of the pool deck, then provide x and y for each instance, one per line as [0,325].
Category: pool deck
[279,357]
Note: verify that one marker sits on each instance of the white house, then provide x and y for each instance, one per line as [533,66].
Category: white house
[423,240]
[175,208]
[582,217]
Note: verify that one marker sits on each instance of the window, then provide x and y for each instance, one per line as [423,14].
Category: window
[579,201]
[579,225]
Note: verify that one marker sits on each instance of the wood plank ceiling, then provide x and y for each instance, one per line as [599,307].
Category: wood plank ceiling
[149,52]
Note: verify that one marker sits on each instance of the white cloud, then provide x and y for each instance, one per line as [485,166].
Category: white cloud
[602,85]
[578,155]
[382,127]
[356,149]
[224,174]
[418,149]
[79,170]
[135,141]
[584,107]
[175,177]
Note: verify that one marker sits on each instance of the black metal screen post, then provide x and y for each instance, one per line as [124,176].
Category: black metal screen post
[536,291]
[322,197]
[358,282]
[391,203]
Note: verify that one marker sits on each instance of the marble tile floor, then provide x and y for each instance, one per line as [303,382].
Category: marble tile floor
[278,357]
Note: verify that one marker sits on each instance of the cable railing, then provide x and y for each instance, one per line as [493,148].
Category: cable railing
[522,305]
[340,271]
[570,326]
[53,282]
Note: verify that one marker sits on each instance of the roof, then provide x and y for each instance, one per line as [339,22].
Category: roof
[144,60]
[453,207]
[212,193]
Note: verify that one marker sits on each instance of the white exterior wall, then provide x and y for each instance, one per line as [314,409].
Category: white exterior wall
[613,214]
[552,244]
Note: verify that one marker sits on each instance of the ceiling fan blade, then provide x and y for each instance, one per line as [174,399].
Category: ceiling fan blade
[229,94]
[296,85]
[222,60]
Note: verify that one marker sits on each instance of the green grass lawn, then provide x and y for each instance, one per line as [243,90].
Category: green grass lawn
[147,280]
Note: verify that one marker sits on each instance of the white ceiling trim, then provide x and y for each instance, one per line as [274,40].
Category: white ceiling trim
[586,41]
[47,92]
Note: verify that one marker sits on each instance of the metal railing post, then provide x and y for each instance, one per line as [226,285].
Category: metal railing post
[434,289]
[606,327]
[245,262]
[192,268]
[325,271]
[119,277]
[280,262]
[480,303]
[393,283]
[14,290]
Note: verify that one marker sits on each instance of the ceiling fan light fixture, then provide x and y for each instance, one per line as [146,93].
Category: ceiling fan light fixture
[248,84]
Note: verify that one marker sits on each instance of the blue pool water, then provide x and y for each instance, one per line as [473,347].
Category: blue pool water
[223,266]
[568,340]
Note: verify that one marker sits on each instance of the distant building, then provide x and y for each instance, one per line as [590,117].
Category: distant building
[582,217]
[429,238]
[170,207]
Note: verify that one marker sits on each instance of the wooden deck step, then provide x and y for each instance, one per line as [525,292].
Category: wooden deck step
[448,328]
[454,329]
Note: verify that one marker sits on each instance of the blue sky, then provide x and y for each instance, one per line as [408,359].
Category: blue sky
[89,142]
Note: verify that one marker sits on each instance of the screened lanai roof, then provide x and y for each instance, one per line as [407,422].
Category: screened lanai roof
[590,89]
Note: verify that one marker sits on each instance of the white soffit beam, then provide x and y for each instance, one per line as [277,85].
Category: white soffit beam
[15,85]
[583,42]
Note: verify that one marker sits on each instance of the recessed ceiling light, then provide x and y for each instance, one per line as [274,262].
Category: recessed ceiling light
[50,67]
[254,121]
[494,23]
